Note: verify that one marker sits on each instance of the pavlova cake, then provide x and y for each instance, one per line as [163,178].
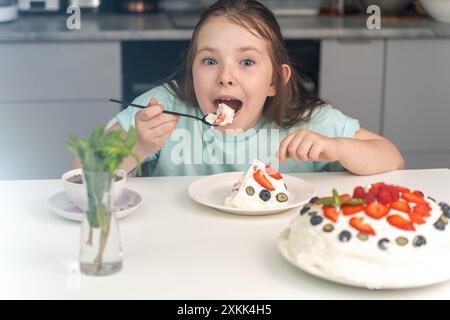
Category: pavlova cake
[383,236]
[222,117]
[260,187]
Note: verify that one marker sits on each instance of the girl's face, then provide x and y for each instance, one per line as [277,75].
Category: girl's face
[232,66]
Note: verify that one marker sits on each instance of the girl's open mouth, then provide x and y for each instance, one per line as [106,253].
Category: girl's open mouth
[234,104]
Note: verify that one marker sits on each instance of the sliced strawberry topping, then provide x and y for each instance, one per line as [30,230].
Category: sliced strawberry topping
[384,197]
[356,222]
[350,210]
[418,193]
[400,223]
[401,206]
[403,189]
[422,209]
[394,193]
[377,210]
[359,193]
[377,185]
[273,173]
[344,198]
[263,181]
[411,197]
[416,218]
[369,198]
[331,213]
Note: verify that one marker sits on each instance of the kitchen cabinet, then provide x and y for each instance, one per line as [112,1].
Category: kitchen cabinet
[351,79]
[417,100]
[47,91]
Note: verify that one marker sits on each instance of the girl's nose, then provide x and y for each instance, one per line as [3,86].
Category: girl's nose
[226,78]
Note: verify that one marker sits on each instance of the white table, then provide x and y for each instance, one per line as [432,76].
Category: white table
[175,248]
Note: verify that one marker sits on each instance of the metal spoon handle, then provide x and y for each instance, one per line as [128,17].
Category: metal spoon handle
[164,111]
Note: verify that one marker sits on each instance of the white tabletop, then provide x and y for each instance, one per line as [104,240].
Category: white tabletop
[175,248]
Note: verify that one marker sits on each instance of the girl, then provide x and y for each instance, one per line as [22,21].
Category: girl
[236,56]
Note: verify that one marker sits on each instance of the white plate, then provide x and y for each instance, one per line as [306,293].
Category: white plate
[60,204]
[212,190]
[415,283]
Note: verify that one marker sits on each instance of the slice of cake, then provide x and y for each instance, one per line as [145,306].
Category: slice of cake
[222,117]
[382,236]
[260,187]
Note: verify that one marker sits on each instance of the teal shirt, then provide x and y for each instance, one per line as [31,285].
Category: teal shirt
[197,149]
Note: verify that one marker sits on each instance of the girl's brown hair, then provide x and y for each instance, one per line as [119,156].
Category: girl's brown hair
[293,102]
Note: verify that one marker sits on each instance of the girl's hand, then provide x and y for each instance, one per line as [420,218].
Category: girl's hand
[305,145]
[153,128]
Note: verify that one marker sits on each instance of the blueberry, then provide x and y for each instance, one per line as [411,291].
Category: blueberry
[419,241]
[444,206]
[440,225]
[384,244]
[345,236]
[313,199]
[304,210]
[446,212]
[264,195]
[316,220]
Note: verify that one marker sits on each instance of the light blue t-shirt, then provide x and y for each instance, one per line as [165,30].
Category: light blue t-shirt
[197,149]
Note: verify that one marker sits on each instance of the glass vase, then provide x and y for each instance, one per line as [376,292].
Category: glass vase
[100,245]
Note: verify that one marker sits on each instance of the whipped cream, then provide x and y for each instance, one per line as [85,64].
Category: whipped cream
[362,261]
[222,117]
[240,197]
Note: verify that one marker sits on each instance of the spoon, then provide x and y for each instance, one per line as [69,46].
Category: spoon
[124,103]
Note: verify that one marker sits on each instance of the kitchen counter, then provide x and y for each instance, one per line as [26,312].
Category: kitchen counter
[175,248]
[115,27]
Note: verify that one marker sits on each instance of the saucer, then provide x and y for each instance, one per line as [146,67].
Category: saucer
[60,204]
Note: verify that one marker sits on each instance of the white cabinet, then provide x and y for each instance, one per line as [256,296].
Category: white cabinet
[351,79]
[47,91]
[417,100]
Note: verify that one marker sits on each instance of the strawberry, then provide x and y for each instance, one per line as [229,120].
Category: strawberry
[401,206]
[384,197]
[394,193]
[402,189]
[273,173]
[331,213]
[418,193]
[411,197]
[263,181]
[416,218]
[349,210]
[374,191]
[400,223]
[377,185]
[356,222]
[359,193]
[344,198]
[377,210]
[422,209]
[369,198]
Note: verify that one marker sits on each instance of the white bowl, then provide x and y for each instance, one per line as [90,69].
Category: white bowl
[77,191]
[438,9]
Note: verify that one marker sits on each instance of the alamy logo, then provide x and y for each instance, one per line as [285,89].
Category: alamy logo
[73,22]
[374,20]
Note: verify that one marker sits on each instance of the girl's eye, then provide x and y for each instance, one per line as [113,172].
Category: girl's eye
[209,61]
[247,62]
